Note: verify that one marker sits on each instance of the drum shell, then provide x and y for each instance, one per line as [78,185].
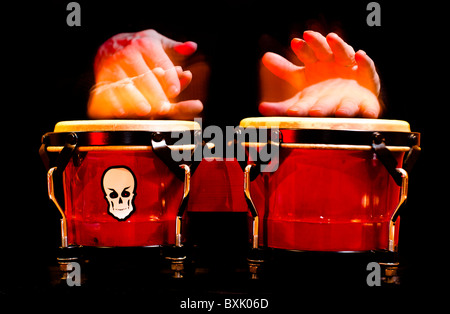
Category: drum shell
[326,200]
[157,196]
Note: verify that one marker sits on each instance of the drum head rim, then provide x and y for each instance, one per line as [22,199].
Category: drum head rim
[125,125]
[349,124]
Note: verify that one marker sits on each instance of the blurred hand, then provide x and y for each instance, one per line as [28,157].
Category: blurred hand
[136,78]
[334,81]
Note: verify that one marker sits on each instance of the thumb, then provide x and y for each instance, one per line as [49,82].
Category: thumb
[285,69]
[185,49]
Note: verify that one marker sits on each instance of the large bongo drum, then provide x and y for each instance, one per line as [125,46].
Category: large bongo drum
[119,185]
[338,184]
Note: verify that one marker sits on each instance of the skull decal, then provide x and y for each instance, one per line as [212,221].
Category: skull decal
[119,188]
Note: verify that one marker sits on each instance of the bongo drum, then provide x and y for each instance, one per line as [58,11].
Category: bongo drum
[120,185]
[338,186]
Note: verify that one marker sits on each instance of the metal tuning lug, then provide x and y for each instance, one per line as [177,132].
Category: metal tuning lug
[395,214]
[183,204]
[255,259]
[52,197]
[177,256]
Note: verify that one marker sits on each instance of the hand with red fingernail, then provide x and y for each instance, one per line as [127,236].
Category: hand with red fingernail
[136,77]
[333,81]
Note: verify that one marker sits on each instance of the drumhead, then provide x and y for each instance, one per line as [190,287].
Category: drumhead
[126,125]
[105,135]
[334,133]
[349,124]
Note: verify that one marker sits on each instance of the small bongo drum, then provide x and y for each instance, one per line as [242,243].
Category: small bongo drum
[120,185]
[338,186]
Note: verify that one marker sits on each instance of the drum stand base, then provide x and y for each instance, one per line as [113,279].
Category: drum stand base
[177,266]
[389,264]
[255,261]
[66,258]
[65,266]
[389,273]
[176,255]
[254,268]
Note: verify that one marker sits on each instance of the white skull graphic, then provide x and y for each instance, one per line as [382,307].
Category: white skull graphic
[119,187]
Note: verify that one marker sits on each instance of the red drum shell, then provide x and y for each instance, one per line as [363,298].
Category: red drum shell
[326,200]
[157,196]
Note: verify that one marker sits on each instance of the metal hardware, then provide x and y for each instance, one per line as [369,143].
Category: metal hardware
[389,273]
[177,266]
[163,151]
[386,157]
[255,259]
[251,205]
[183,204]
[403,197]
[254,267]
[62,160]
[176,257]
[243,151]
[65,266]
[411,158]
[52,197]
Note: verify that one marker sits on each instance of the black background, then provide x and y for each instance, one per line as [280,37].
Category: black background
[51,72]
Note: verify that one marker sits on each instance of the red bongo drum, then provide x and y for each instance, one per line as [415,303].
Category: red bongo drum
[338,185]
[119,188]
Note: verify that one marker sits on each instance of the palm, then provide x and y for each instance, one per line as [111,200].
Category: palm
[333,81]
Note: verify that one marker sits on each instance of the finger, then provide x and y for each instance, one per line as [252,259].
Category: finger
[348,107]
[154,53]
[303,51]
[343,53]
[104,103]
[164,77]
[319,45]
[155,57]
[149,86]
[301,107]
[276,108]
[367,72]
[185,49]
[370,108]
[185,79]
[109,72]
[131,61]
[133,101]
[284,69]
[324,107]
[187,109]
